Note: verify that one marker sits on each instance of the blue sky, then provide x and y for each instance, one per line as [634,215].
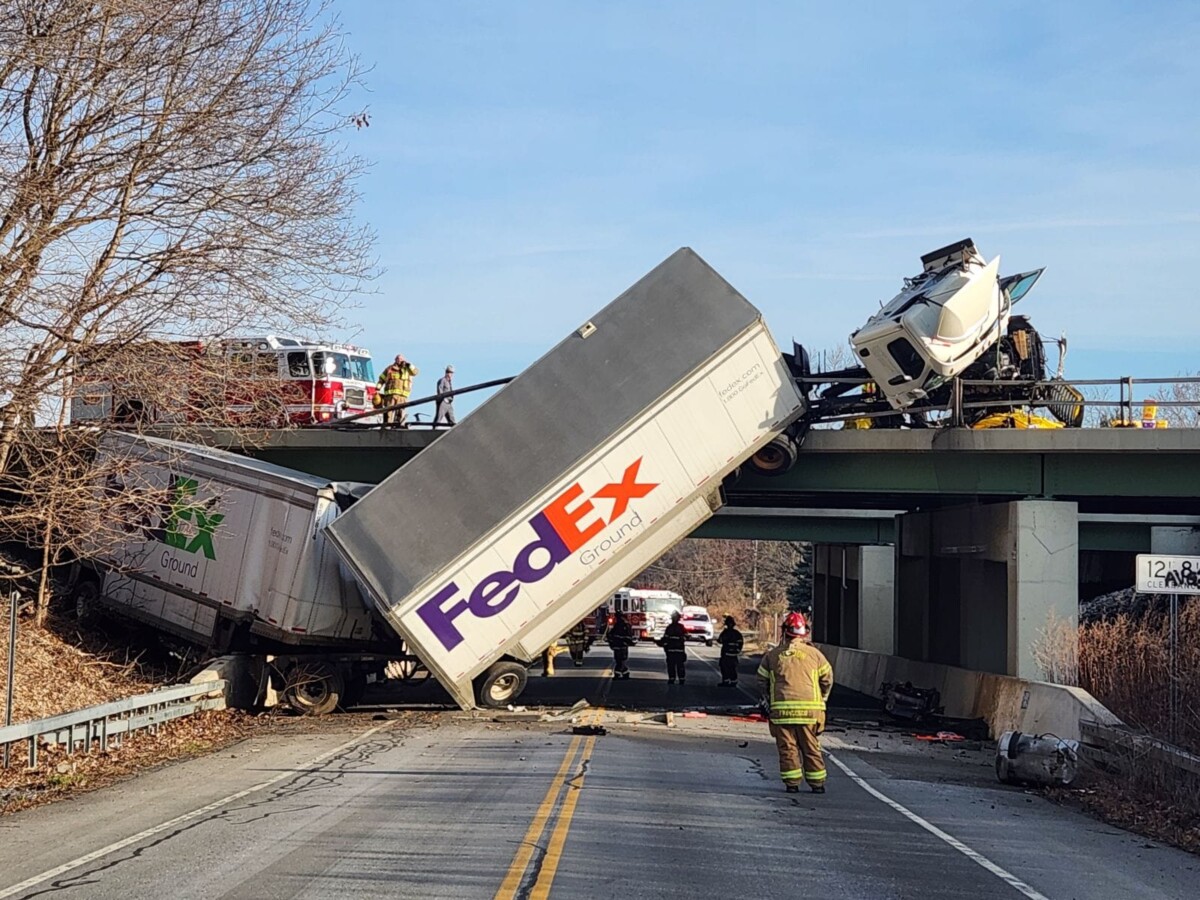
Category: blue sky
[532,160]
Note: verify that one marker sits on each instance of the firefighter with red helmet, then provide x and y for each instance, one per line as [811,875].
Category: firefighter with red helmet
[796,678]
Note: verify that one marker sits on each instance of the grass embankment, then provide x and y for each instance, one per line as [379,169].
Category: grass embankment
[63,668]
[1124,662]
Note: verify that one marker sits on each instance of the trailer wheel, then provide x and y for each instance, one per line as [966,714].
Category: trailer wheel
[501,684]
[775,458]
[87,601]
[313,688]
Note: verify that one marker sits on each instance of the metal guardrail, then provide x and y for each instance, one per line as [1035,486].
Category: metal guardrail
[1122,749]
[356,419]
[110,722]
[1125,402]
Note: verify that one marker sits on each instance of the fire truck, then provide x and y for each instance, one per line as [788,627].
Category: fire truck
[647,611]
[321,381]
[267,380]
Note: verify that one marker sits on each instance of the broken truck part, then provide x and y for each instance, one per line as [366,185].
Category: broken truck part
[947,341]
[1039,759]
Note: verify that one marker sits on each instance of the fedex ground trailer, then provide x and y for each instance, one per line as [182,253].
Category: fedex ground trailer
[599,457]
[490,544]
[230,553]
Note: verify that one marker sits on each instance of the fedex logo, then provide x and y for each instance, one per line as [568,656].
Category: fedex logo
[562,527]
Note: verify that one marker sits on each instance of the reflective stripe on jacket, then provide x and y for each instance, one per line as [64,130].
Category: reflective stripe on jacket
[731,642]
[674,639]
[797,679]
[397,380]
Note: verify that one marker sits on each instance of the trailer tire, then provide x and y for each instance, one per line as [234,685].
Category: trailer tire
[501,684]
[313,688]
[775,458]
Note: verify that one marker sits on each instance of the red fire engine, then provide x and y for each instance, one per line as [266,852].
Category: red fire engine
[267,380]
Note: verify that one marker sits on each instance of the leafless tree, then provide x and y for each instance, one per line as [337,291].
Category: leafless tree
[1181,392]
[742,578]
[168,169]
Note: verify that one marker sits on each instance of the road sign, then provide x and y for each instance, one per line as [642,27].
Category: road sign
[1168,574]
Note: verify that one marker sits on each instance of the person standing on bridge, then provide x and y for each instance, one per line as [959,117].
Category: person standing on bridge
[674,641]
[731,642]
[445,405]
[796,678]
[395,384]
[620,638]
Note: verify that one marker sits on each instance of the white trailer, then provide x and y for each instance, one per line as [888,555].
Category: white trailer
[230,553]
[512,527]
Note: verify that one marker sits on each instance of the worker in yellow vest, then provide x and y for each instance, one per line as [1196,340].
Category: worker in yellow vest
[395,384]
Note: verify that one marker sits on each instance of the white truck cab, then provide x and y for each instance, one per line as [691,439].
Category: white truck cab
[941,321]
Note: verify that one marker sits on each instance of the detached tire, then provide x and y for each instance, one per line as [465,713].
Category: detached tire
[314,688]
[501,684]
[776,458]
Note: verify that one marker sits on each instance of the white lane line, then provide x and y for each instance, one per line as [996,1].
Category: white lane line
[696,656]
[180,820]
[974,856]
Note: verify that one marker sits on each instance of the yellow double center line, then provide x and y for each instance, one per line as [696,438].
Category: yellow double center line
[574,759]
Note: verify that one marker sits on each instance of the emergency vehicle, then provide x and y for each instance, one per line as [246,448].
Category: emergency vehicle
[322,381]
[267,380]
[647,611]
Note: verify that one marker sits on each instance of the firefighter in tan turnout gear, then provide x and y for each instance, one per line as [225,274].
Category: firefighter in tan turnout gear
[796,680]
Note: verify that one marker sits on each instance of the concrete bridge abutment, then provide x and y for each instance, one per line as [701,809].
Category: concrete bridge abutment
[976,586]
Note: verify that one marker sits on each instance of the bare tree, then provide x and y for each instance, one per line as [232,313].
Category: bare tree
[168,169]
[1181,392]
[743,578]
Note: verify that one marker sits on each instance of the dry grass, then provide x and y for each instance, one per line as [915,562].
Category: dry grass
[1124,663]
[61,669]
[56,675]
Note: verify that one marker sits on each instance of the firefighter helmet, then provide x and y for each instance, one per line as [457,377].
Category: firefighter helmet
[795,625]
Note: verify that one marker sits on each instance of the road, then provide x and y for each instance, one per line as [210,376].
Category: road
[470,807]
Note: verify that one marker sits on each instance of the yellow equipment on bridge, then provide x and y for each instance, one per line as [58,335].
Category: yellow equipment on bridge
[1017,418]
[1149,419]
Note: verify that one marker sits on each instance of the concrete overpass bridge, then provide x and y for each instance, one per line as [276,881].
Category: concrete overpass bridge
[948,546]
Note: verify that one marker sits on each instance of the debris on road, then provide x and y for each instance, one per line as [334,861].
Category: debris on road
[1043,759]
[904,701]
[942,737]
[589,730]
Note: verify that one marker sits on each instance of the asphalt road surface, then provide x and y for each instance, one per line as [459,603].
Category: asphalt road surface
[473,807]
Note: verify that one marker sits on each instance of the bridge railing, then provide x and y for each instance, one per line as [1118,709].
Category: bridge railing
[1124,401]
[100,726]
[371,419]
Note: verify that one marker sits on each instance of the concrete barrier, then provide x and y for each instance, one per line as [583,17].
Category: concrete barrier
[1004,702]
[245,677]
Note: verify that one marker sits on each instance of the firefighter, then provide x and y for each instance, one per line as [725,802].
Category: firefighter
[674,641]
[577,643]
[395,384]
[620,638]
[796,679]
[731,642]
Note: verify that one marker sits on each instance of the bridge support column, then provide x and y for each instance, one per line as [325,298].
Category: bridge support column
[977,585]
[853,597]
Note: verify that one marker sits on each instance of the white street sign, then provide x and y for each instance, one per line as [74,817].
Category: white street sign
[1168,574]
